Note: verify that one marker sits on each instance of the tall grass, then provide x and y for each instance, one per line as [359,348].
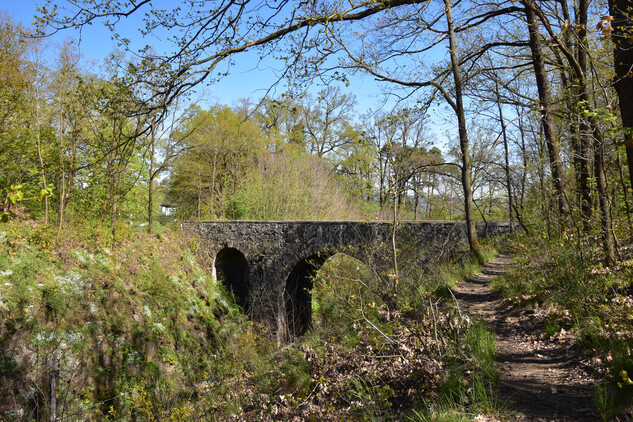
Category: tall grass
[482,349]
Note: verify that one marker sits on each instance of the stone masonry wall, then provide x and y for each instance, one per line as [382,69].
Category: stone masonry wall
[273,248]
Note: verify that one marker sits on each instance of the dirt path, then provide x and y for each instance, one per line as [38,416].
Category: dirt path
[542,379]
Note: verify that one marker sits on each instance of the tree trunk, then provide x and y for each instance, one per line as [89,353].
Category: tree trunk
[584,149]
[603,200]
[581,148]
[524,158]
[506,156]
[625,190]
[113,211]
[553,147]
[416,195]
[52,398]
[39,154]
[199,203]
[62,176]
[623,58]
[150,185]
[589,126]
[471,233]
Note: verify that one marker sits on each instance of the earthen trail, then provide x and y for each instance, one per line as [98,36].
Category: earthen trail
[542,378]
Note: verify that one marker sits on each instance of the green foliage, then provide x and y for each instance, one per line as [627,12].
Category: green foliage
[466,399]
[14,195]
[221,148]
[548,273]
[153,330]
[236,209]
[605,401]
[156,332]
[291,185]
[345,297]
[284,371]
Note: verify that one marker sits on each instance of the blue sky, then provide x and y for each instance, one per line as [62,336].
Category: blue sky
[248,78]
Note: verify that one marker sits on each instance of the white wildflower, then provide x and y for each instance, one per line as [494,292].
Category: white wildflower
[83,256]
[44,337]
[15,413]
[189,260]
[71,283]
[71,338]
[133,357]
[103,260]
[119,341]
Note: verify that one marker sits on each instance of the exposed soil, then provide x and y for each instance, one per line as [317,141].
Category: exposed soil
[542,378]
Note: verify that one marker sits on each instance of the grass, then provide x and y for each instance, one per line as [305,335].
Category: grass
[605,401]
[482,349]
[467,386]
[477,399]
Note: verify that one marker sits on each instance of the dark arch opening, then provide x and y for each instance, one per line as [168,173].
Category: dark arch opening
[231,269]
[298,293]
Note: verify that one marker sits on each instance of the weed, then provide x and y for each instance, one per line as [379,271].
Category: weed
[605,401]
[483,397]
[615,393]
[468,399]
[482,349]
[445,412]
[551,328]
[370,398]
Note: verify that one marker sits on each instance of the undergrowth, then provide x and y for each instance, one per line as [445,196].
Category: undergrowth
[132,327]
[580,294]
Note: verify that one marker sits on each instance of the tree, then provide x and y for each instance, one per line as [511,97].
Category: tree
[16,149]
[116,143]
[620,27]
[326,120]
[458,107]
[553,145]
[578,65]
[165,144]
[281,122]
[355,162]
[210,36]
[387,40]
[220,147]
[69,119]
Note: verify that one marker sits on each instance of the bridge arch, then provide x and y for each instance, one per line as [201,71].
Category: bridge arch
[232,269]
[298,293]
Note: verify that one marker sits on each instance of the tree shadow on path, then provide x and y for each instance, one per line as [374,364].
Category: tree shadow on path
[542,379]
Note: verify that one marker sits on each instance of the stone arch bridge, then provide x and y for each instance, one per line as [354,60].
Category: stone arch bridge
[268,265]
